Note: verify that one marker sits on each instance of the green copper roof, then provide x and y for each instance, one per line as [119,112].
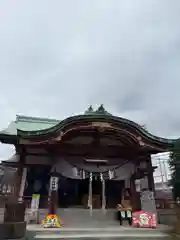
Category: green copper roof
[26,123]
[32,126]
[29,124]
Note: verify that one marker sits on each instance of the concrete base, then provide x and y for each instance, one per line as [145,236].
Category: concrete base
[12,230]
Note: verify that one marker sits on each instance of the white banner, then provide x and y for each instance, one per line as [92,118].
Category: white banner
[54,183]
[35,202]
[34,208]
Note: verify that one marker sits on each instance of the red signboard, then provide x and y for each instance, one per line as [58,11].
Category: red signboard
[144,219]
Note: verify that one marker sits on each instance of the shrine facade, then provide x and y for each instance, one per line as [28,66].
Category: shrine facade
[89,161]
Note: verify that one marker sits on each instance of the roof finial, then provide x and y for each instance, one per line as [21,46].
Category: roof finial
[101,109]
[89,110]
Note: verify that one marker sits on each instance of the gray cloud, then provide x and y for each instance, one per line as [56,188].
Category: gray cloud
[59,57]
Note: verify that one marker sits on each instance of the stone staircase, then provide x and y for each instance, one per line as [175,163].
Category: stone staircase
[85,218]
[74,217]
[81,223]
[125,233]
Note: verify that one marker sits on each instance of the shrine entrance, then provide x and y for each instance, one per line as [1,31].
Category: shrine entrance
[74,193]
[96,192]
[96,156]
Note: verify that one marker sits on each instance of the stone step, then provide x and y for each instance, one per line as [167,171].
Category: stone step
[124,236]
[83,217]
[36,232]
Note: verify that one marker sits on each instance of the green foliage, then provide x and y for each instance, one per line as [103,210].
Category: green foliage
[175,169]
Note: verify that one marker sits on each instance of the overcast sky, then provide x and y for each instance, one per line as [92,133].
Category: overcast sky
[58,57]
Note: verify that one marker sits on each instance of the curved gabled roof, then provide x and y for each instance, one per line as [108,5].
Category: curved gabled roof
[33,127]
[100,115]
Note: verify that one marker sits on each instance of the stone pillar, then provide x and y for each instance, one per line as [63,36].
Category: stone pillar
[147,189]
[23,182]
[19,173]
[144,184]
[17,181]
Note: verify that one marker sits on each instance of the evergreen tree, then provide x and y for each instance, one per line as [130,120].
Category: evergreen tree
[175,169]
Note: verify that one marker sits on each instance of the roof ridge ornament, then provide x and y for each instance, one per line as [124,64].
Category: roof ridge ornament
[101,110]
[90,110]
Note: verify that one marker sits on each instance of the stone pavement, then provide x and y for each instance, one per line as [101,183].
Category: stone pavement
[37,232]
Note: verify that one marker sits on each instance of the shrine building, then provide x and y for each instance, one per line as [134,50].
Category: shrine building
[97,158]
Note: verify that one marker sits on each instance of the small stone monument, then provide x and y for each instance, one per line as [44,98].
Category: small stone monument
[14,225]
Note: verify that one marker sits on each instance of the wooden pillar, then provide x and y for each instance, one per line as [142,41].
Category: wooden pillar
[150,176]
[134,200]
[54,179]
[53,193]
